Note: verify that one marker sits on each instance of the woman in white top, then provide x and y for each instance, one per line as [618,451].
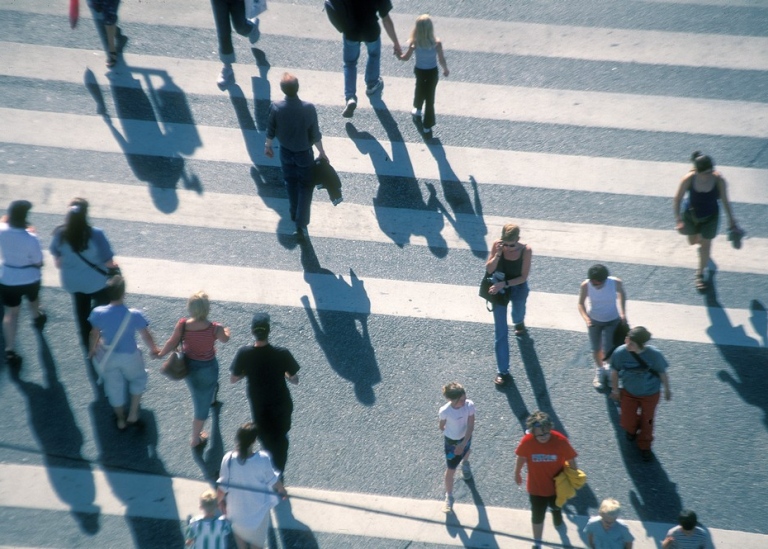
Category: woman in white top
[249,486]
[603,315]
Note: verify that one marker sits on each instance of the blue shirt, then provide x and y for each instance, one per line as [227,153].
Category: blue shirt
[108,319]
[616,537]
[635,378]
[294,123]
[76,274]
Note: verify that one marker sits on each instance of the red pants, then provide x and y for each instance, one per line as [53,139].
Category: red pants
[631,422]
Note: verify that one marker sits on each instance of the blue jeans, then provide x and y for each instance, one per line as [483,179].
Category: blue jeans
[201,380]
[297,173]
[228,14]
[372,67]
[518,296]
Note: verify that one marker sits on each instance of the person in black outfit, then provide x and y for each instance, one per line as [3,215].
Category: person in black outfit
[267,368]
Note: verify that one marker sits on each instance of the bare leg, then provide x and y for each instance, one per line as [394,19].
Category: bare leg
[197,428]
[597,356]
[120,413]
[111,32]
[10,324]
[538,531]
[449,474]
[133,413]
[704,254]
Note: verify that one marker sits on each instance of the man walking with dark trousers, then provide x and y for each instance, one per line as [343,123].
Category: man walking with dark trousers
[268,368]
[294,123]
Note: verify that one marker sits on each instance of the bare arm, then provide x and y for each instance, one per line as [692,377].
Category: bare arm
[685,185]
[146,335]
[172,342]
[320,149]
[441,58]
[389,26]
[93,341]
[409,52]
[582,303]
[493,258]
[622,300]
[722,188]
[222,334]
[665,382]
[441,425]
[519,462]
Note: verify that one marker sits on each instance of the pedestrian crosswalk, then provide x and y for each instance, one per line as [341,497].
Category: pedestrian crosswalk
[584,156]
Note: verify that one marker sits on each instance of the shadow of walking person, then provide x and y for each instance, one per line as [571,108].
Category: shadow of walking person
[137,476]
[744,354]
[156,128]
[61,441]
[465,217]
[340,324]
[293,533]
[262,93]
[209,460]
[655,497]
[399,192]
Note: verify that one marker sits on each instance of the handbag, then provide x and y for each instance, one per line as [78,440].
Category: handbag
[254,8]
[500,298]
[102,354]
[175,366]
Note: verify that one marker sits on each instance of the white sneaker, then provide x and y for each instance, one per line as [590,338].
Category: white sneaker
[254,35]
[225,76]
[427,132]
[416,113]
[601,378]
[448,505]
[349,108]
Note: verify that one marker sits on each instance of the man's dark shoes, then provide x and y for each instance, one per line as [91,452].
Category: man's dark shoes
[502,379]
[557,518]
[13,360]
[39,322]
[301,234]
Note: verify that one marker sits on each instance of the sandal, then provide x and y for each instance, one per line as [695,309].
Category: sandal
[203,440]
[501,379]
[111,59]
[699,282]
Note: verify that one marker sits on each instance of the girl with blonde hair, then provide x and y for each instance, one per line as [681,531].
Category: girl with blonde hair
[429,51]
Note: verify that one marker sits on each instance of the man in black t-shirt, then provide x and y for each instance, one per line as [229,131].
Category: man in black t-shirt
[364,16]
[267,368]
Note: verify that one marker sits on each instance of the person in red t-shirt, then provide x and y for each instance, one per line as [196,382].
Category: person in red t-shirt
[545,452]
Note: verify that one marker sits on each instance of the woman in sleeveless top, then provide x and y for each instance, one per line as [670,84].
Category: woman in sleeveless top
[199,339]
[509,264]
[700,214]
[607,308]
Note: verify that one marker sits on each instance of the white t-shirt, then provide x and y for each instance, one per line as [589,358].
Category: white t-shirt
[456,419]
[249,488]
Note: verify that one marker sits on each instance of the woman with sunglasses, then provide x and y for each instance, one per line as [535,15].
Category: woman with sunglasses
[509,264]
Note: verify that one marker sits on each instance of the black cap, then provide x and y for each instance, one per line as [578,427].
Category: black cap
[17,213]
[260,322]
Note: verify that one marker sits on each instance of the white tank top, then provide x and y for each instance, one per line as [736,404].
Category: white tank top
[602,301]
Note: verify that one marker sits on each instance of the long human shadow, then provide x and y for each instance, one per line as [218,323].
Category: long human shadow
[209,459]
[655,497]
[159,120]
[398,193]
[61,441]
[585,498]
[744,354]
[342,335]
[126,455]
[293,533]
[262,93]
[465,216]
[481,535]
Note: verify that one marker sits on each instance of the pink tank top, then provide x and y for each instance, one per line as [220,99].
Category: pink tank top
[199,344]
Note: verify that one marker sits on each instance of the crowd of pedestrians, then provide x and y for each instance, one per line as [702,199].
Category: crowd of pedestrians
[250,482]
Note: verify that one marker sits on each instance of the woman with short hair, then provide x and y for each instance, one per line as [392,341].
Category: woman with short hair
[198,337]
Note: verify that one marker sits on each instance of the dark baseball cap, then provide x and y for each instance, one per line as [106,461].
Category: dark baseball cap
[260,322]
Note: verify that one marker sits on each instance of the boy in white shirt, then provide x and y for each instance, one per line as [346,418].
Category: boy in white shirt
[457,422]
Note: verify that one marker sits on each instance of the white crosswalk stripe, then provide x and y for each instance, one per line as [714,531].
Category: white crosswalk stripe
[489,166]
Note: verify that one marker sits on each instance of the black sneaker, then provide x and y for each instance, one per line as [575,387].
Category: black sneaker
[349,109]
[39,322]
[376,88]
[502,379]
[13,360]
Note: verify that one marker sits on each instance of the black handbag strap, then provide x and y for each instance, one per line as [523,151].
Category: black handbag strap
[91,265]
[643,363]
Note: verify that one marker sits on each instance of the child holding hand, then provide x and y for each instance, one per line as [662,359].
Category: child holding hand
[429,51]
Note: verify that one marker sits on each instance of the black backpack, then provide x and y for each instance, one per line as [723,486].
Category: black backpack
[339,15]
